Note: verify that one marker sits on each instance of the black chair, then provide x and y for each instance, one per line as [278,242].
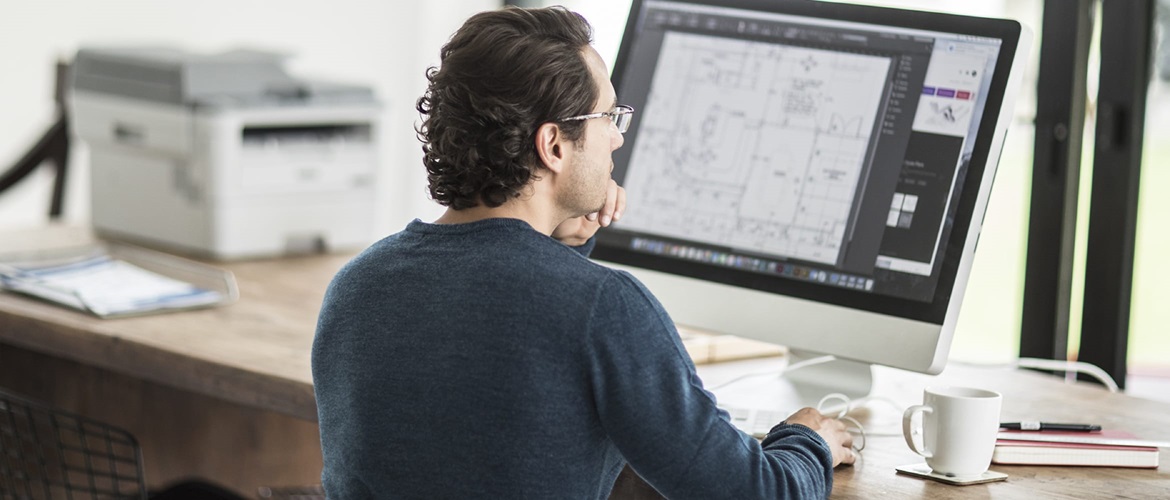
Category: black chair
[47,453]
[53,147]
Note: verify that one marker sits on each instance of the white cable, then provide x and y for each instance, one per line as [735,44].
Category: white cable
[809,362]
[795,366]
[1070,367]
[843,416]
[743,377]
[838,396]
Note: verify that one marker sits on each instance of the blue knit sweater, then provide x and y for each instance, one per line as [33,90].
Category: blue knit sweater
[487,360]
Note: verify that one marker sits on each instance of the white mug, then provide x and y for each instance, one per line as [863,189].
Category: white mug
[958,429]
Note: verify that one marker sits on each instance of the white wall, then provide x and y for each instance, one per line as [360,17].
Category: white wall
[384,44]
[608,18]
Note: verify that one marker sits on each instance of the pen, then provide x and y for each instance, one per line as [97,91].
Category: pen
[1049,426]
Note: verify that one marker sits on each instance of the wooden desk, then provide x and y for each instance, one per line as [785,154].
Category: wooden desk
[1027,396]
[226,393]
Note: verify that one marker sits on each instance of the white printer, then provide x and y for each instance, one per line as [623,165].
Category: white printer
[225,155]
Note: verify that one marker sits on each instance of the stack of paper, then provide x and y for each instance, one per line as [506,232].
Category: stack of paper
[103,285]
[1109,448]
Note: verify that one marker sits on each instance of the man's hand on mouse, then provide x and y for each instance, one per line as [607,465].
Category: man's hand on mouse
[831,430]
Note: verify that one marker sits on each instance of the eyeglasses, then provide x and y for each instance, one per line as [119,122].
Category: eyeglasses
[621,116]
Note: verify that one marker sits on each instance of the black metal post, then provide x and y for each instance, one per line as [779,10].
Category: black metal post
[1060,115]
[1126,34]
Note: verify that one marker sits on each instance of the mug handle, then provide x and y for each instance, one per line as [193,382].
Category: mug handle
[907,417]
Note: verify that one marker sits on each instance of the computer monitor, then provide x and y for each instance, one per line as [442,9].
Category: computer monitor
[811,174]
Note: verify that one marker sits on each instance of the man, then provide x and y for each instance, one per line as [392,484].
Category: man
[483,355]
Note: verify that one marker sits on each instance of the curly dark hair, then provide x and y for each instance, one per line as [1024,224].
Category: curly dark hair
[501,76]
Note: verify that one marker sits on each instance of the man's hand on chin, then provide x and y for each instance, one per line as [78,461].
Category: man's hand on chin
[577,230]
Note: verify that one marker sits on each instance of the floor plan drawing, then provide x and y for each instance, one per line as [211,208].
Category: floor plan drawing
[754,145]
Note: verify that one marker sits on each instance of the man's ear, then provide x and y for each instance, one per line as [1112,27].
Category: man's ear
[551,147]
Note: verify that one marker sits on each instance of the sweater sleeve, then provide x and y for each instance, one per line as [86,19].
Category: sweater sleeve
[654,408]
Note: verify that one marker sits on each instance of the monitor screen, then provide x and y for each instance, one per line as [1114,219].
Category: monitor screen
[808,173]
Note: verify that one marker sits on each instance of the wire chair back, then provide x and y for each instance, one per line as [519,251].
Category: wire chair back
[47,454]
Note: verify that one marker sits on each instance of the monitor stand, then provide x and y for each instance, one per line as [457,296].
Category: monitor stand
[802,383]
[812,382]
